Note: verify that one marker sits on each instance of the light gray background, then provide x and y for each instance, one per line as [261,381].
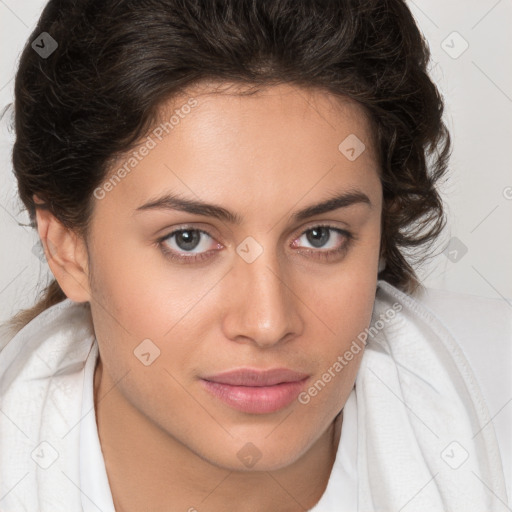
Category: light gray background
[477,87]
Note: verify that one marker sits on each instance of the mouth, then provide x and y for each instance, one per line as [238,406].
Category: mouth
[255,391]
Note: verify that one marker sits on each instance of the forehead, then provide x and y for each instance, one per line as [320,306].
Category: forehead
[225,145]
[297,112]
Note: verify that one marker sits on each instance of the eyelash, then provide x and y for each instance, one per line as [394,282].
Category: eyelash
[322,254]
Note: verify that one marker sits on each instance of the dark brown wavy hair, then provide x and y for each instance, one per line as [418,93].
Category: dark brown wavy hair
[117,61]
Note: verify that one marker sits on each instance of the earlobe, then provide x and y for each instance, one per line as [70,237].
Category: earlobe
[66,255]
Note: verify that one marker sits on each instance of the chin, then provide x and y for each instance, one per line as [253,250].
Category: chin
[239,453]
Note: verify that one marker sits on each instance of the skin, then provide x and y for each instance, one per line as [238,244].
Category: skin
[168,444]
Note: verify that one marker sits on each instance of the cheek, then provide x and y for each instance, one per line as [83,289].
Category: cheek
[139,292]
[347,315]
[147,311]
[343,306]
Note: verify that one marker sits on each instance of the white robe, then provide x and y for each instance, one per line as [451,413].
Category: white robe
[423,428]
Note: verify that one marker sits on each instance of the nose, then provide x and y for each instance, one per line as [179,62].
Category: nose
[263,308]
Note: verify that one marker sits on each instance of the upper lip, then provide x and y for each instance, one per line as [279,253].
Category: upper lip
[255,377]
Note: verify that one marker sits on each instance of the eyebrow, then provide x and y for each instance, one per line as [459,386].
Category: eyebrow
[174,202]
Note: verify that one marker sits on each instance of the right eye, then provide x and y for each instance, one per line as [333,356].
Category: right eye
[185,241]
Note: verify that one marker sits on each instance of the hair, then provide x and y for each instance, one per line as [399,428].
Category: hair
[117,61]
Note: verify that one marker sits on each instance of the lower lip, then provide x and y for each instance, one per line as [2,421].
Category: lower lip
[256,400]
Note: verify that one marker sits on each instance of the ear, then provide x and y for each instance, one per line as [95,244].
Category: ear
[66,254]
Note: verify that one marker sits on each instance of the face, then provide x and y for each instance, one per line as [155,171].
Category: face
[259,280]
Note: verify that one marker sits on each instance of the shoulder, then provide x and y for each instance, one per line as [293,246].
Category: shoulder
[42,369]
[482,328]
[56,330]
[461,310]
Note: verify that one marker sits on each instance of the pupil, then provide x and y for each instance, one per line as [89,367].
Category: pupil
[318,236]
[187,240]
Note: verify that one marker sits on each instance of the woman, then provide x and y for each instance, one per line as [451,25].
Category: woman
[226,193]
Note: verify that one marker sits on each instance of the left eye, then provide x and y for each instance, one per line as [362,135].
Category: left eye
[321,235]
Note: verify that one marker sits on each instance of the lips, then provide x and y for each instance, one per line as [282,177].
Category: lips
[256,378]
[256,391]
